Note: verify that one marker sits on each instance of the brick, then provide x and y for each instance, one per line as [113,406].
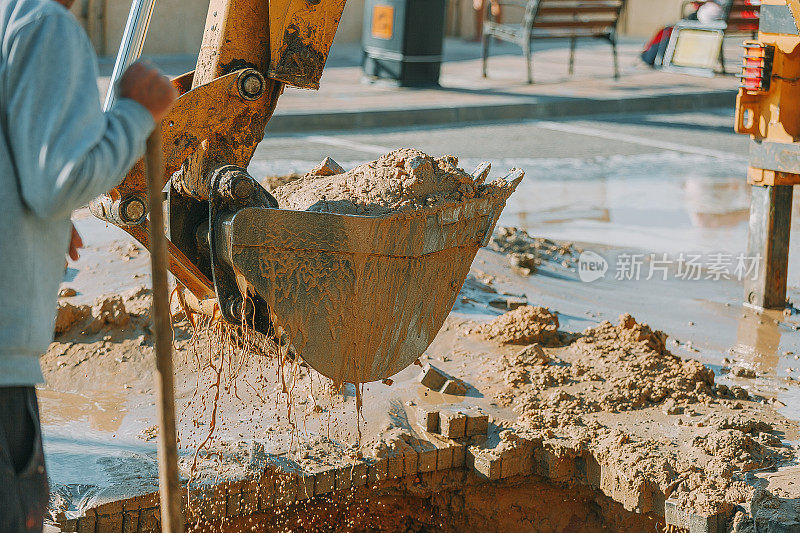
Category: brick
[249,503]
[377,471]
[325,481]
[410,461]
[554,467]
[593,471]
[286,488]
[344,478]
[70,526]
[305,486]
[452,424]
[444,458]
[233,499]
[517,460]
[130,521]
[109,508]
[428,418]
[426,461]
[266,492]
[359,474]
[484,464]
[455,387]
[395,467]
[432,377]
[459,455]
[149,520]
[111,523]
[477,423]
[86,523]
[685,520]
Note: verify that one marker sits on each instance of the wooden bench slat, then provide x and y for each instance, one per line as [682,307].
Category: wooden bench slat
[579,2]
[605,10]
[574,24]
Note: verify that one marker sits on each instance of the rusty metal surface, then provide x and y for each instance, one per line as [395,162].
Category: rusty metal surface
[236,36]
[301,34]
[361,297]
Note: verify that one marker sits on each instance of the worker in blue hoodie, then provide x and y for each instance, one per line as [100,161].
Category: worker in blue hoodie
[58,150]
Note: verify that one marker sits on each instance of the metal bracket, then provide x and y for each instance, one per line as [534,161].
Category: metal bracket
[233,189]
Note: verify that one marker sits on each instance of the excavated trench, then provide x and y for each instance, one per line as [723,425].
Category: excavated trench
[451,501]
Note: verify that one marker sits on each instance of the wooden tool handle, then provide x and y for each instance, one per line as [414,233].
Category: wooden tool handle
[168,481]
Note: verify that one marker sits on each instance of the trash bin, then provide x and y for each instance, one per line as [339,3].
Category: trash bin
[403,41]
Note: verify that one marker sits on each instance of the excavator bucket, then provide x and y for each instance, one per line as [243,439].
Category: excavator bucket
[360,297]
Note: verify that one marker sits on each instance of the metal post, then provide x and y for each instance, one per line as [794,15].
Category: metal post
[768,241]
[131,46]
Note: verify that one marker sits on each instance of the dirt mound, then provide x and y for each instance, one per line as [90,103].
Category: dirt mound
[524,325]
[627,365]
[402,180]
[616,390]
[106,312]
[527,253]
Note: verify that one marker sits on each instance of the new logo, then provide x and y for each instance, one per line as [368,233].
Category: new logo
[591,266]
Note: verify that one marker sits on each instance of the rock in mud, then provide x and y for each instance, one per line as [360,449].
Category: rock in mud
[743,372]
[109,312]
[68,315]
[524,325]
[67,292]
[526,253]
[402,180]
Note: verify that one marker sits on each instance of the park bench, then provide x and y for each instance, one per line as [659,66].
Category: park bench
[554,19]
[740,18]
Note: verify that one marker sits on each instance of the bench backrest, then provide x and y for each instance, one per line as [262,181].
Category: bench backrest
[584,17]
[742,16]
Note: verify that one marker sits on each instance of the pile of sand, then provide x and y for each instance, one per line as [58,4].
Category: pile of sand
[524,325]
[402,180]
[526,253]
[106,312]
[613,390]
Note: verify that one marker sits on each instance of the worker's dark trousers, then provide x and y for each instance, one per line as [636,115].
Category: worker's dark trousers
[24,492]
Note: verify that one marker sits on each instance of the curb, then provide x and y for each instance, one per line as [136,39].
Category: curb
[546,107]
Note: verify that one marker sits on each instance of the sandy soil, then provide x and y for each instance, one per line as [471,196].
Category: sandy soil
[402,180]
[612,391]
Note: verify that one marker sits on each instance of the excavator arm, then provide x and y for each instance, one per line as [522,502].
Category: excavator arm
[250,49]
[359,297]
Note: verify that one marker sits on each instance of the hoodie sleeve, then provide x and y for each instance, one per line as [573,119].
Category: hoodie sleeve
[65,149]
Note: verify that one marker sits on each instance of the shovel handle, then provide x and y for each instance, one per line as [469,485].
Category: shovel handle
[168,481]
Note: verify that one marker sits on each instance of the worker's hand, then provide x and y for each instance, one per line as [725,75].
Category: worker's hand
[145,84]
[75,243]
